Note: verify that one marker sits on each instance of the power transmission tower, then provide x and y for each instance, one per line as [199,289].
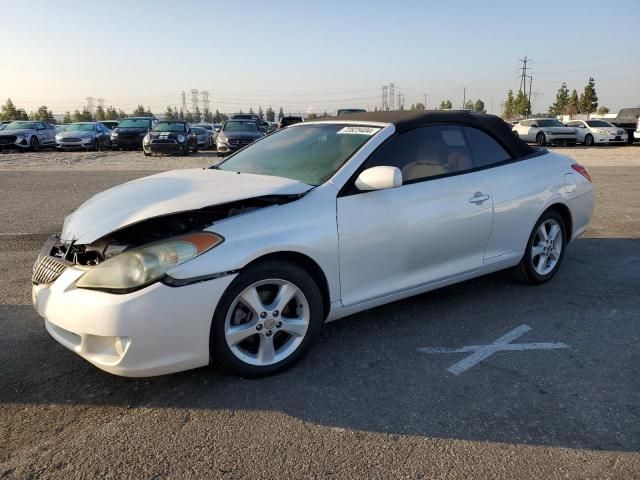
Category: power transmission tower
[101,102]
[400,101]
[91,106]
[523,80]
[205,100]
[194,99]
[184,102]
[392,96]
[385,96]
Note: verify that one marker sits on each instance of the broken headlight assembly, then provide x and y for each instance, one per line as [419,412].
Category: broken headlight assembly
[141,266]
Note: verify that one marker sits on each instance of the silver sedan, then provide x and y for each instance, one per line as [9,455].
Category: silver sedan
[86,135]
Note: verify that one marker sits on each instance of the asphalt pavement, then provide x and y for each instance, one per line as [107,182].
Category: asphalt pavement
[365,403]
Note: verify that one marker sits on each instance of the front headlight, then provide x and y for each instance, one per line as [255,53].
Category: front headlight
[144,265]
[221,138]
[58,136]
[146,138]
[181,138]
[114,134]
[602,132]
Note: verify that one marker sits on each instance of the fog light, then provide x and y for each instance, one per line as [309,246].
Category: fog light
[121,345]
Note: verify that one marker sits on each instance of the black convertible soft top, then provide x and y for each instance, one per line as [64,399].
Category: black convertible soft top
[407,120]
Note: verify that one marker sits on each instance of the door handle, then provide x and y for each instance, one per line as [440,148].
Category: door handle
[478,198]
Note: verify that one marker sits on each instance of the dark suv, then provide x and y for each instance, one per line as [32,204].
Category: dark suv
[130,132]
[286,121]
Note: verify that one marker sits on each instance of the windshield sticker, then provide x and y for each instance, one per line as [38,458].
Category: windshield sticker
[358,131]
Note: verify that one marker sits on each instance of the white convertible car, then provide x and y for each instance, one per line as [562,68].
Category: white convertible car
[241,264]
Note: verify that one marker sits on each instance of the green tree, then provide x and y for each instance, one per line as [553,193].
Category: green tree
[589,99]
[169,114]
[84,116]
[479,106]
[197,115]
[217,118]
[110,113]
[602,111]
[122,114]
[8,111]
[43,114]
[562,100]
[181,115]
[260,113]
[67,118]
[189,117]
[468,105]
[508,111]
[140,111]
[573,105]
[270,115]
[100,113]
[280,114]
[312,116]
[418,107]
[207,116]
[521,106]
[445,105]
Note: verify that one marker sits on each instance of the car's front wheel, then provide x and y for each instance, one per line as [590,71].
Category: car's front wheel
[34,144]
[541,140]
[588,140]
[545,249]
[267,319]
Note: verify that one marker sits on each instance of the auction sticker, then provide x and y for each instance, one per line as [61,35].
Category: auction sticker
[359,131]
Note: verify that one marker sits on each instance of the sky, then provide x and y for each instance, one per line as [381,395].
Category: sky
[309,56]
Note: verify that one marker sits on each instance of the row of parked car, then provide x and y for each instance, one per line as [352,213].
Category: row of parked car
[146,133]
[625,128]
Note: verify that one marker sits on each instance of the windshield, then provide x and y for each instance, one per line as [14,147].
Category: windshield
[80,127]
[134,123]
[169,127]
[309,153]
[198,130]
[598,123]
[21,126]
[550,123]
[240,126]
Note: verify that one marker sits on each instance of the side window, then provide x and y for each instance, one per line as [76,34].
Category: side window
[525,123]
[425,152]
[39,126]
[485,150]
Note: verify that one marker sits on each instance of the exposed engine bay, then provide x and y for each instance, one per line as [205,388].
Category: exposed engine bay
[159,228]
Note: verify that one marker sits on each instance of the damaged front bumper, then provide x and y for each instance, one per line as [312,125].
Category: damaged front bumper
[157,330]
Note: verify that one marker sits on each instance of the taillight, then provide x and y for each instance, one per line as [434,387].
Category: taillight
[582,171]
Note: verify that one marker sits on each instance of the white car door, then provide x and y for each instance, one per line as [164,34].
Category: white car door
[434,227]
[581,129]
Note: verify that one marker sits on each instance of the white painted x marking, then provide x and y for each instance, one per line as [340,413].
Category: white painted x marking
[482,352]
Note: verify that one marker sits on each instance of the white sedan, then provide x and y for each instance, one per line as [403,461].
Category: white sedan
[241,264]
[598,132]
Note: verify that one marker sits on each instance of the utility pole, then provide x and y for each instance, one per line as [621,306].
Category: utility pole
[385,96]
[184,102]
[91,106]
[464,96]
[392,96]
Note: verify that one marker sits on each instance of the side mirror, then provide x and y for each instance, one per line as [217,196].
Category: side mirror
[379,178]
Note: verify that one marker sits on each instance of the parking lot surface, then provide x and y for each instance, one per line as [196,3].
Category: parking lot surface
[366,402]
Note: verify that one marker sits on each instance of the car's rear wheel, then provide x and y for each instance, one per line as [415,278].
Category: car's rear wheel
[541,139]
[588,140]
[96,145]
[34,144]
[268,318]
[545,249]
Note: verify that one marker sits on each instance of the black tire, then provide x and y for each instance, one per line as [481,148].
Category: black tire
[96,145]
[541,139]
[525,268]
[588,140]
[290,272]
[34,144]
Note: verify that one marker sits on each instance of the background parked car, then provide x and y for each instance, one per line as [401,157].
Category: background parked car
[628,119]
[203,138]
[286,121]
[262,125]
[236,134]
[636,134]
[27,135]
[545,131]
[347,111]
[3,124]
[130,132]
[60,127]
[597,132]
[170,136]
[110,124]
[87,135]
[209,128]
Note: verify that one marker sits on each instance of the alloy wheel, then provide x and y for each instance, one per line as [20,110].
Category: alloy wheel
[267,322]
[547,247]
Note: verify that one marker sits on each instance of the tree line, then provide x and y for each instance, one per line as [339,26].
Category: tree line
[571,104]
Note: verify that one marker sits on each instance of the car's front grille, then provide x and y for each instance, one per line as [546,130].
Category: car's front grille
[47,269]
[70,139]
[240,142]
[162,140]
[7,139]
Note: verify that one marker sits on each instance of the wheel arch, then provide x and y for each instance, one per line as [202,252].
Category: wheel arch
[308,264]
[565,213]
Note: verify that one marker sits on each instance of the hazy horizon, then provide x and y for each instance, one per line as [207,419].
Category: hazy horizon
[311,58]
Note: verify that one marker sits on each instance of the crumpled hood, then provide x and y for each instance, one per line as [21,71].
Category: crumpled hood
[167,193]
